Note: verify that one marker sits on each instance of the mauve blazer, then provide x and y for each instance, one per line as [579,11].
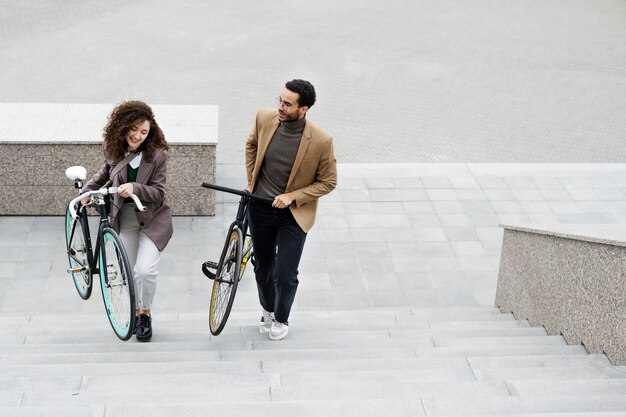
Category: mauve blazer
[156,221]
[314,171]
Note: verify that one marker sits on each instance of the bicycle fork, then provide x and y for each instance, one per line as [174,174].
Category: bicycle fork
[71,252]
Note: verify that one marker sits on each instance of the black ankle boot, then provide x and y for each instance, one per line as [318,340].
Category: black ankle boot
[144,328]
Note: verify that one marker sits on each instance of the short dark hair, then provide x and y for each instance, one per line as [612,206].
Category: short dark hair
[305,91]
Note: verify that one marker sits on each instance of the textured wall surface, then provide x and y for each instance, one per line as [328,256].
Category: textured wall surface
[33,160]
[570,285]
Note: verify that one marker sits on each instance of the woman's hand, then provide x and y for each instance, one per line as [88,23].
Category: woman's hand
[125,190]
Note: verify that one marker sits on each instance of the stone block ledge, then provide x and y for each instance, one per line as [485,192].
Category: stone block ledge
[571,279]
[606,234]
[38,141]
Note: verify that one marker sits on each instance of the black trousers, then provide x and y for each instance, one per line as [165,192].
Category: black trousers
[278,242]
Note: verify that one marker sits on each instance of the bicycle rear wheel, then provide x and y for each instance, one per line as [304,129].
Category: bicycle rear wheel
[116,281]
[78,254]
[225,283]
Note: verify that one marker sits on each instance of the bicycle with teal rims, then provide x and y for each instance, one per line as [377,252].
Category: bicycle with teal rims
[107,259]
[235,255]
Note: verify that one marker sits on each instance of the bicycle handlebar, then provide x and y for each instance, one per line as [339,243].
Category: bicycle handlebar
[242,193]
[102,191]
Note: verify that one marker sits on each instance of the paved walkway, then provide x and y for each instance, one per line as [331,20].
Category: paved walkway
[391,235]
[399,85]
[400,81]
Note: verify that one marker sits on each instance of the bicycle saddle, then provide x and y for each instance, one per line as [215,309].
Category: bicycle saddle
[76,173]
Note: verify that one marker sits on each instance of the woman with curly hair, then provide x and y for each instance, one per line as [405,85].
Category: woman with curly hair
[132,128]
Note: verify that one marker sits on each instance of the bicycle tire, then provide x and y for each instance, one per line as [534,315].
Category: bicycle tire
[78,254]
[225,282]
[116,281]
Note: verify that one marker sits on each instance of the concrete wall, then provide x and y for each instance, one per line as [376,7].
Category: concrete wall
[571,280]
[38,141]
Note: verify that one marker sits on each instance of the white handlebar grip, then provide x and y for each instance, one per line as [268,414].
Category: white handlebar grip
[140,206]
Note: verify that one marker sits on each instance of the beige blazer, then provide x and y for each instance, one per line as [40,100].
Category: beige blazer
[156,221]
[314,171]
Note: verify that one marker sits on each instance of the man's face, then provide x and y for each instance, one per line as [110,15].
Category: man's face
[288,108]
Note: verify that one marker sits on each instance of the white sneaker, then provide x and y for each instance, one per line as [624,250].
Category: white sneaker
[267,319]
[278,331]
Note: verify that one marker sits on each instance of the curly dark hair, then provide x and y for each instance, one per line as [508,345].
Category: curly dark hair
[305,90]
[123,117]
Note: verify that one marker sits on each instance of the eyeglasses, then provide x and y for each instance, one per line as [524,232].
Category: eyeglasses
[285,104]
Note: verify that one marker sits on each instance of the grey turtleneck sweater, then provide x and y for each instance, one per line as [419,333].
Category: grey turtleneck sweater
[279,158]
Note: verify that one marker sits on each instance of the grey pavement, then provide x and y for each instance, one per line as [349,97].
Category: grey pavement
[391,235]
[399,81]
[441,88]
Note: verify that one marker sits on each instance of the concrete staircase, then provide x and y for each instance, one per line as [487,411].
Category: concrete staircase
[393,315]
[371,362]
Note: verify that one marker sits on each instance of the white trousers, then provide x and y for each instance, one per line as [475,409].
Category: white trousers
[143,256]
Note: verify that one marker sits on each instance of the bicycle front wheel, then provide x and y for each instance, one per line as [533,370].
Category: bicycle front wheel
[116,281]
[78,254]
[225,283]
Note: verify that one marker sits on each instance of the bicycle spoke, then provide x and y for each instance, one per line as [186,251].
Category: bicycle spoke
[117,285]
[118,290]
[77,253]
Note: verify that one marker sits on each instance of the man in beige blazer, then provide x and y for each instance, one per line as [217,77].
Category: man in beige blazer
[292,160]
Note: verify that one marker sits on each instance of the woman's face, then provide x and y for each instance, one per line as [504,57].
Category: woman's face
[137,134]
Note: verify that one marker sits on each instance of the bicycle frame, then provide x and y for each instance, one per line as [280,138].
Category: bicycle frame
[237,250]
[241,222]
[80,215]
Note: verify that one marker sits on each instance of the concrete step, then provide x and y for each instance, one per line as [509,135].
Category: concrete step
[94,328]
[244,351]
[119,368]
[198,332]
[573,386]
[422,364]
[471,399]
[390,389]
[53,411]
[473,342]
[514,406]
[243,362]
[309,408]
[400,362]
[537,361]
[107,348]
[467,350]
[242,317]
[343,408]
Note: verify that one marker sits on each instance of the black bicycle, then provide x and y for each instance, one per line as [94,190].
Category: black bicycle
[108,259]
[235,255]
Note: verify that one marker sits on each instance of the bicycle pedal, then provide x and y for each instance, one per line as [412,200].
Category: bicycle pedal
[77,270]
[206,269]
